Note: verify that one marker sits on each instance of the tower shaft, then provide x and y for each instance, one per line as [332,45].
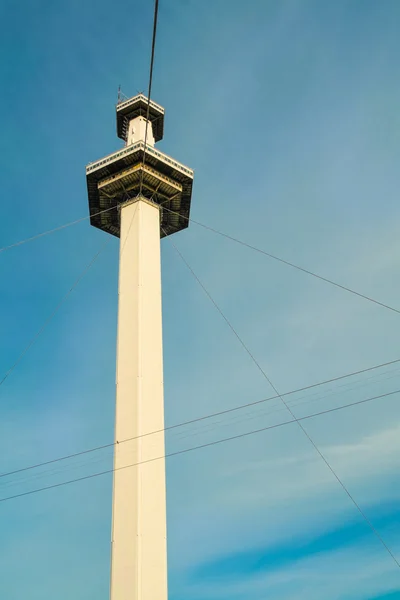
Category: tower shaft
[139,552]
[126,190]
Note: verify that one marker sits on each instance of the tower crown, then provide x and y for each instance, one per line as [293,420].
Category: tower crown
[139,169]
[129,110]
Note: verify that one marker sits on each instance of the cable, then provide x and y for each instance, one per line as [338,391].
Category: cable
[55,471]
[298,421]
[288,263]
[252,415]
[147,121]
[49,231]
[153,47]
[367,381]
[44,233]
[39,235]
[225,235]
[207,445]
[53,313]
[198,419]
[225,319]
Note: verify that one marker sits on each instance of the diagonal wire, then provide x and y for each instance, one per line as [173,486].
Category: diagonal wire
[297,420]
[199,447]
[54,230]
[227,236]
[288,263]
[53,313]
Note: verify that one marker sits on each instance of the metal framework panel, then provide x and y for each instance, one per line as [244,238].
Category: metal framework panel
[115,179]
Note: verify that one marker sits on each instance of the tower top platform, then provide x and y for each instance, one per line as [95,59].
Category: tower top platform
[139,169]
[137,107]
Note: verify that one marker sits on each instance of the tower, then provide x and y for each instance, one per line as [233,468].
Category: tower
[139,194]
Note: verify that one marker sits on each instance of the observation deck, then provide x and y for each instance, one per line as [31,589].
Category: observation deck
[139,169]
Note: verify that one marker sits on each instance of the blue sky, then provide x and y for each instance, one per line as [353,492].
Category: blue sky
[289,113]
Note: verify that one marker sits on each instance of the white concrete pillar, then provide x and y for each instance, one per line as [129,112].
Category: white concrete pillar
[139,548]
[137,131]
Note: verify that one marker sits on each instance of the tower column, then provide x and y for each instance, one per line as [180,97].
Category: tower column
[139,552]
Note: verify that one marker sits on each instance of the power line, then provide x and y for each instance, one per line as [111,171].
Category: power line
[262,371]
[53,313]
[249,416]
[53,471]
[358,384]
[201,446]
[199,419]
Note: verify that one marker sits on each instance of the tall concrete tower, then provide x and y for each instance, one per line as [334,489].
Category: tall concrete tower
[146,194]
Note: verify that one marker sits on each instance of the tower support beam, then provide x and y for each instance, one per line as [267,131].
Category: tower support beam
[139,552]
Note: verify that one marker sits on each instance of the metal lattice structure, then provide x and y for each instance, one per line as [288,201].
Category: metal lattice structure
[120,176]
